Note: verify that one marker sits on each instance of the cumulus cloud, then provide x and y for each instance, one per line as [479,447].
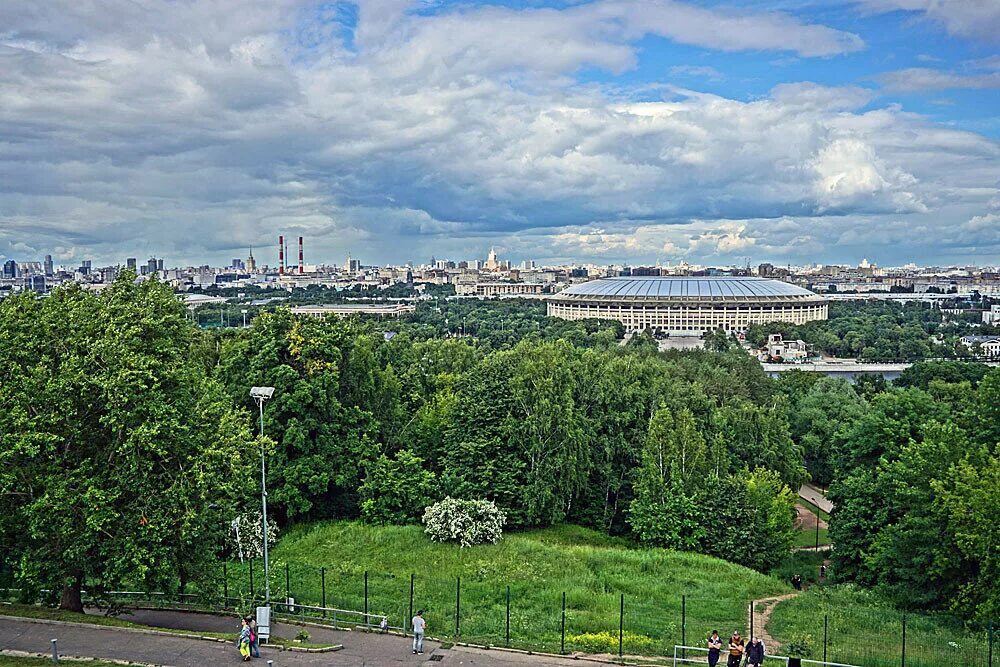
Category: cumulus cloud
[965,18]
[917,79]
[398,133]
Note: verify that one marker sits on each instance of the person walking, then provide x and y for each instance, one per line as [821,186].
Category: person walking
[797,582]
[735,649]
[419,626]
[755,653]
[244,640]
[714,648]
[254,639]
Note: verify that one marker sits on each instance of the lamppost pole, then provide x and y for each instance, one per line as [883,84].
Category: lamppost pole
[261,394]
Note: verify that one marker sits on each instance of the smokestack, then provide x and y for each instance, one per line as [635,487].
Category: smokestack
[281,254]
[301,263]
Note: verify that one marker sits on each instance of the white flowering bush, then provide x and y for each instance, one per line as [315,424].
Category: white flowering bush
[244,536]
[467,522]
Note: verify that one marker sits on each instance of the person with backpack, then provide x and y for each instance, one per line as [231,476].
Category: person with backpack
[755,653]
[714,648]
[419,626]
[254,639]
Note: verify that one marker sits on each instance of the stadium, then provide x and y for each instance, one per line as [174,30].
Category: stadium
[688,306]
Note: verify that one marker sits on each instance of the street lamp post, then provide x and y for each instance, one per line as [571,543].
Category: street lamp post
[261,394]
[244,311]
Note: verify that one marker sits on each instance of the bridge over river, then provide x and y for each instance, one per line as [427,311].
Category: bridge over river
[846,368]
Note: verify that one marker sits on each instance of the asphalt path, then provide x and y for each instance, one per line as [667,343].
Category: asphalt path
[361,649]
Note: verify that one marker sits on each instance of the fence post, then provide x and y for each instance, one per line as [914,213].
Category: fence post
[55,651]
[410,617]
[508,617]
[683,626]
[903,659]
[621,628]
[458,604]
[225,584]
[366,597]
[817,530]
[751,619]
[322,585]
[826,626]
[989,638]
[251,579]
[288,587]
[562,643]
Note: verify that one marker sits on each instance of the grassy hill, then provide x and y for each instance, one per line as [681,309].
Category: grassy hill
[539,566]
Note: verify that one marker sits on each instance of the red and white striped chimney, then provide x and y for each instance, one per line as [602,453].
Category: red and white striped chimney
[281,254]
[301,263]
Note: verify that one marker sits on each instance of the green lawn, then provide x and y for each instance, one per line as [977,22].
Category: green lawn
[813,508]
[538,566]
[807,537]
[863,630]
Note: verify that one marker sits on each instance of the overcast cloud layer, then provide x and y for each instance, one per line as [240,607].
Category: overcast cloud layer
[600,131]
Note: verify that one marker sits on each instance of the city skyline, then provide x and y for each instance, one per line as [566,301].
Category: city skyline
[598,132]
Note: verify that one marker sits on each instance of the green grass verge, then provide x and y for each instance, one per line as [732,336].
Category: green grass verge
[50,614]
[8,661]
[865,630]
[538,566]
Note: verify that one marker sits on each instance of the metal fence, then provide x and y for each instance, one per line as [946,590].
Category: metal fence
[481,610]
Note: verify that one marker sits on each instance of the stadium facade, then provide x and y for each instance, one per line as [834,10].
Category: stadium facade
[688,306]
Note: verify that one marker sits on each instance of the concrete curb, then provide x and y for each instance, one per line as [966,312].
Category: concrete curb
[72,658]
[161,633]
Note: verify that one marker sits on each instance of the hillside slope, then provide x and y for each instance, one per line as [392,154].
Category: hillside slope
[538,566]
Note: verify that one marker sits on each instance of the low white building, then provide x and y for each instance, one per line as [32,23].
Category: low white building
[789,351]
[988,346]
[992,316]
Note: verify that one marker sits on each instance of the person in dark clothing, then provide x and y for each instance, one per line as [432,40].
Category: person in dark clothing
[797,582]
[714,648]
[755,653]
[735,650]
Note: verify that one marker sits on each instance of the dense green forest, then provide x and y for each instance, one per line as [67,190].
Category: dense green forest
[124,429]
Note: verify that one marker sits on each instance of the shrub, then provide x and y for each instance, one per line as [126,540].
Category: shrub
[394,490]
[302,635]
[800,646]
[605,642]
[467,522]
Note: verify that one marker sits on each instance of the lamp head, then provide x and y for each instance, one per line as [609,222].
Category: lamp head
[261,393]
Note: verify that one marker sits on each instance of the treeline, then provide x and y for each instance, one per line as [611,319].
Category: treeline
[551,431]
[881,331]
[914,471]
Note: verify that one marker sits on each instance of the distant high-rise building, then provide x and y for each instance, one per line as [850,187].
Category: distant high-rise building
[492,263]
[48,265]
[10,269]
[85,267]
[130,263]
[765,270]
[352,265]
[238,263]
[251,262]
[35,283]
[159,265]
[151,265]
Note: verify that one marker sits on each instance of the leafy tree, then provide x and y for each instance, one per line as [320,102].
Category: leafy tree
[817,419]
[396,491]
[113,442]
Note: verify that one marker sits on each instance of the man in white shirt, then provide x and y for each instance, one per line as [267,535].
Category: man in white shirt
[419,625]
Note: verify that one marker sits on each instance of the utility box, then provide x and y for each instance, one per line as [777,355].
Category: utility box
[263,624]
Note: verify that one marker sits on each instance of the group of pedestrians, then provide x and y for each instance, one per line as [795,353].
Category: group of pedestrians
[248,641]
[740,653]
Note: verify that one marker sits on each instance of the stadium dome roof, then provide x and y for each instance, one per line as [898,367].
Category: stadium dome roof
[686,289]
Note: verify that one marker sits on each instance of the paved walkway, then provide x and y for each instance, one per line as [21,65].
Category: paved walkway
[816,497]
[361,649]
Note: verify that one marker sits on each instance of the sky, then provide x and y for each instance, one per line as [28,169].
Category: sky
[597,131]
